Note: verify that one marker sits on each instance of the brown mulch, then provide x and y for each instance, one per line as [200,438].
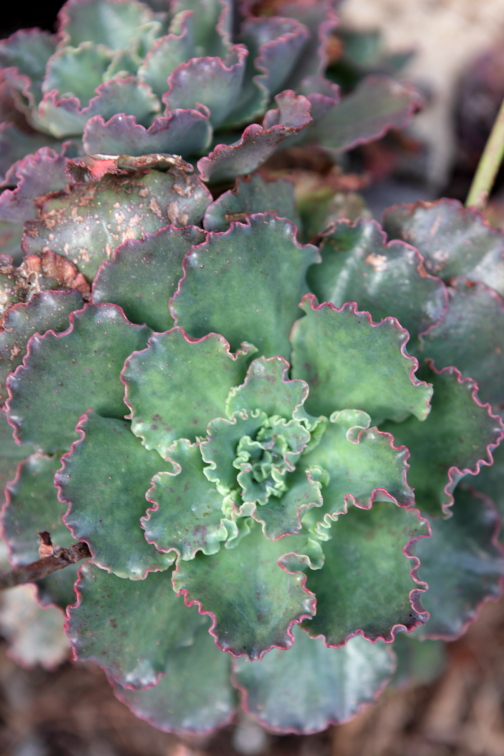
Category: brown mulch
[72,712]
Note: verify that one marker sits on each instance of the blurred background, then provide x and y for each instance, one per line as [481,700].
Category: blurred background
[453,50]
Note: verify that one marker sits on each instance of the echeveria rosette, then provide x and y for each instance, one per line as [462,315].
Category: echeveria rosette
[255,479]
[128,79]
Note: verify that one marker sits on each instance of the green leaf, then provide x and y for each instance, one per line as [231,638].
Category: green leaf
[462,564]
[187,514]
[489,481]
[418,662]
[253,601]
[66,374]
[48,310]
[167,53]
[130,627]
[177,385]
[87,223]
[28,50]
[245,284]
[211,24]
[104,480]
[362,465]
[378,104]
[267,387]
[33,507]
[144,275]
[11,453]
[349,362]
[383,279]
[209,81]
[456,241]
[16,144]
[456,439]
[310,687]
[366,584]
[252,194]
[105,23]
[194,696]
[76,72]
[282,515]
[471,336]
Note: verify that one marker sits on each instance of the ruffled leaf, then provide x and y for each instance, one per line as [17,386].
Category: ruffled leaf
[176,386]
[281,516]
[211,24]
[154,265]
[471,336]
[462,565]
[77,71]
[245,284]
[489,481]
[253,601]
[383,279]
[455,240]
[11,454]
[187,513]
[28,50]
[362,465]
[267,387]
[312,686]
[33,507]
[44,311]
[195,694]
[257,143]
[15,145]
[252,195]
[37,174]
[112,24]
[459,435]
[181,132]
[167,53]
[418,662]
[365,558]
[349,362]
[104,480]
[88,222]
[130,627]
[66,374]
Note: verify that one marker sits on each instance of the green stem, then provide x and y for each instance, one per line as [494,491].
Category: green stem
[488,165]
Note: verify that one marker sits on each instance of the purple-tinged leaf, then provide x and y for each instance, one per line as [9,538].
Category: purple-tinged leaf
[15,145]
[37,174]
[103,480]
[253,601]
[362,465]
[462,565]
[130,627]
[252,195]
[194,695]
[180,132]
[92,218]
[32,507]
[167,53]
[319,17]
[112,24]
[66,116]
[281,516]
[257,143]
[77,71]
[383,279]
[46,311]
[368,555]
[459,434]
[455,240]
[267,387]
[63,375]
[471,336]
[187,515]
[28,51]
[489,481]
[350,362]
[177,385]
[154,266]
[377,105]
[212,82]
[313,686]
[245,284]
[211,25]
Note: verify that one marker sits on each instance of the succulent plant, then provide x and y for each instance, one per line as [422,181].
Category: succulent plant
[257,483]
[183,77]
[276,452]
